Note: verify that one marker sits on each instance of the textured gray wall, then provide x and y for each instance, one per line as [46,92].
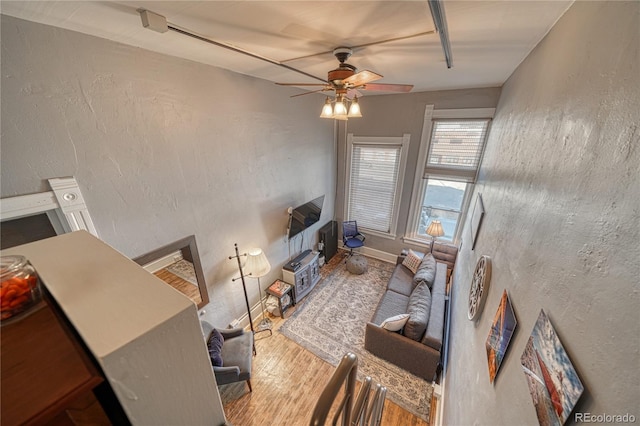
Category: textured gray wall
[394,115]
[163,148]
[560,183]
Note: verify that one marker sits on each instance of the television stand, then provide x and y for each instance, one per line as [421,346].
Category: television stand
[296,262]
[305,276]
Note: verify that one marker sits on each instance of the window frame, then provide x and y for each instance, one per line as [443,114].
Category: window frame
[420,183]
[403,143]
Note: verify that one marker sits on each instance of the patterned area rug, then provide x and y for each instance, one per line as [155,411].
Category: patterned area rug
[332,322]
[184,269]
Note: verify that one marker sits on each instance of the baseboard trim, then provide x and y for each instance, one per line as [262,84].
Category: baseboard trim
[256,315]
[376,254]
[438,392]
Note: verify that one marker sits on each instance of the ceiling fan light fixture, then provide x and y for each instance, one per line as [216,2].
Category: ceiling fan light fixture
[354,109]
[327,109]
[339,108]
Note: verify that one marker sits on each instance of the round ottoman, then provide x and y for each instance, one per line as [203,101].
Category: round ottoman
[357,264]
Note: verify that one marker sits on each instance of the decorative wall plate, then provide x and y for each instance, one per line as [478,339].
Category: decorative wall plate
[479,287]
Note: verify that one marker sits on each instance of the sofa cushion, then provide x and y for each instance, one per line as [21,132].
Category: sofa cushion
[435,327]
[401,281]
[214,344]
[412,261]
[391,304]
[238,352]
[418,309]
[395,323]
[426,271]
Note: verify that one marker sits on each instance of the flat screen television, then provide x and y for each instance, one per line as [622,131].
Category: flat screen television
[304,216]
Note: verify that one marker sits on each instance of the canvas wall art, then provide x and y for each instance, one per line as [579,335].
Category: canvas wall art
[502,328]
[476,219]
[553,382]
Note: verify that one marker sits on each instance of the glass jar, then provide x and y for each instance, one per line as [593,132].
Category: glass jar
[20,287]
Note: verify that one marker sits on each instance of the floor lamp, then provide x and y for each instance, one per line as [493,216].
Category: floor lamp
[435,230]
[258,266]
[244,287]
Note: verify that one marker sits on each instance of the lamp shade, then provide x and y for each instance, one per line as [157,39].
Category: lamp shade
[257,264]
[340,109]
[327,109]
[354,109]
[435,229]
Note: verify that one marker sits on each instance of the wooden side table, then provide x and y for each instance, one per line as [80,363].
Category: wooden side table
[279,289]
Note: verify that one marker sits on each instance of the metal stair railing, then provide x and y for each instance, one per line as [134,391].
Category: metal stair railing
[363,410]
[375,408]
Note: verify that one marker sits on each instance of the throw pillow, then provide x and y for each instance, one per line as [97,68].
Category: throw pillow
[426,271]
[214,344]
[395,323]
[412,261]
[419,309]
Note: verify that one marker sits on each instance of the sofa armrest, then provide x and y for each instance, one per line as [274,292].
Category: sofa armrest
[403,254]
[406,353]
[226,375]
[445,253]
[228,333]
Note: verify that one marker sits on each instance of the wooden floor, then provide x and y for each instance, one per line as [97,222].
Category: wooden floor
[185,287]
[287,381]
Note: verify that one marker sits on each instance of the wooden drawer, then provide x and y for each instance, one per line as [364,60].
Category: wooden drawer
[43,368]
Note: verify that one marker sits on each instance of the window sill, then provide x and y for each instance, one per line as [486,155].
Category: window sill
[417,241]
[423,242]
[378,234]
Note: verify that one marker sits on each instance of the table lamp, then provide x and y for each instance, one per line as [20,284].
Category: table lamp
[435,230]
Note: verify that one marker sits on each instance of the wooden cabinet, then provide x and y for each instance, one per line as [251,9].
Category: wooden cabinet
[43,368]
[143,334]
[305,277]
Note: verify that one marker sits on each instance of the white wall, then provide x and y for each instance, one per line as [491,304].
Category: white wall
[560,183]
[163,148]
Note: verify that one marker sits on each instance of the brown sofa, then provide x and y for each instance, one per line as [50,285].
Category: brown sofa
[418,354]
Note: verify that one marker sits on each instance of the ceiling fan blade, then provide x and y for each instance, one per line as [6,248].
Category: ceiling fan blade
[400,88]
[352,93]
[302,84]
[308,93]
[373,43]
[362,77]
[238,50]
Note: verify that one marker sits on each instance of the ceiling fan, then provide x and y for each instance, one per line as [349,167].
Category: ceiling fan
[346,80]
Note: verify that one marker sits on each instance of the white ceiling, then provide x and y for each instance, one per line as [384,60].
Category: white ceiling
[489,39]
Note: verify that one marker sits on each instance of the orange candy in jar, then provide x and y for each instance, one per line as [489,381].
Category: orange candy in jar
[20,287]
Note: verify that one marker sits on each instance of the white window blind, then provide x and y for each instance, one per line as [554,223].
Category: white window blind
[373,185]
[456,148]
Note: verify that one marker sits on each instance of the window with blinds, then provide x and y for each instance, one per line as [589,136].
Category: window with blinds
[456,148]
[376,168]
